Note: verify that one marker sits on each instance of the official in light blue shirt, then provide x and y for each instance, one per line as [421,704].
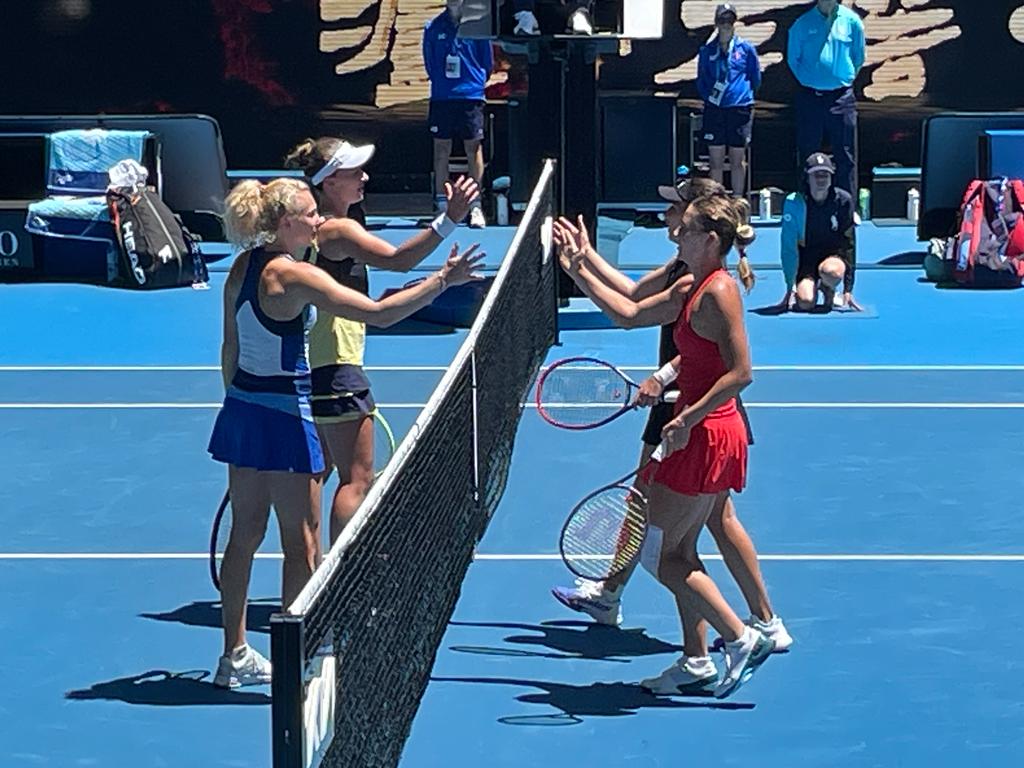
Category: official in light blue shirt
[825,53]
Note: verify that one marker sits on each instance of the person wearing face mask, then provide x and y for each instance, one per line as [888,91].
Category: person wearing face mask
[728,75]
[458,69]
[818,244]
[825,52]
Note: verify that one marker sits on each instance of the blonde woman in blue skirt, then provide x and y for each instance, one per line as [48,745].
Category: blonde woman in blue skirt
[265,431]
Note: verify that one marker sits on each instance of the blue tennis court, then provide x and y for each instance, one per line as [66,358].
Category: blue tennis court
[883,497]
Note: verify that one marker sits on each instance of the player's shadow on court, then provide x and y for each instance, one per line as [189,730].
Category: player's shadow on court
[207,614]
[160,688]
[576,702]
[570,640]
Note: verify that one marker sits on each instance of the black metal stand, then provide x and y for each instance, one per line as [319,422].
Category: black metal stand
[563,123]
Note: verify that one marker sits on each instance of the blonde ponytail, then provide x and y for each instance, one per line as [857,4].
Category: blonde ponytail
[745,236]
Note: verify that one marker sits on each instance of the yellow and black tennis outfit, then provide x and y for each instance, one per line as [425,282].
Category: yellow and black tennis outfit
[341,390]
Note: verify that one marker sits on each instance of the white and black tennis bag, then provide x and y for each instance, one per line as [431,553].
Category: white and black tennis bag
[156,249]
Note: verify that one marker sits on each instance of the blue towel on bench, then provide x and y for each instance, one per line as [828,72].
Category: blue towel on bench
[76,217]
[80,159]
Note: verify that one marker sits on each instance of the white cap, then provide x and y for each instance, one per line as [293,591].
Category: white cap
[346,156]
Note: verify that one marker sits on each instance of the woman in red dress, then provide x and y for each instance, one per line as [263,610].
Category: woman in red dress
[705,445]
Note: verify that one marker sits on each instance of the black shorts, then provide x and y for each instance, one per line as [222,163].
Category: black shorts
[727,126]
[807,266]
[341,393]
[456,119]
[662,413]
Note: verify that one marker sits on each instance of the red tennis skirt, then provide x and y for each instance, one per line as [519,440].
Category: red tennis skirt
[715,459]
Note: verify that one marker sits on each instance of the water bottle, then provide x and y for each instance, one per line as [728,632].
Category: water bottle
[502,213]
[765,203]
[913,204]
[500,187]
[864,203]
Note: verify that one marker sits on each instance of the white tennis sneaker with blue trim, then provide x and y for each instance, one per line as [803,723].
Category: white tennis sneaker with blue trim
[742,658]
[773,629]
[688,676]
[244,666]
[603,605]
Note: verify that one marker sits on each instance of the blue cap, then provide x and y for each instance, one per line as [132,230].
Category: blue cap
[725,9]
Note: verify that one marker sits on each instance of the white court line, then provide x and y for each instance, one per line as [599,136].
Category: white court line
[175,368]
[441,368]
[791,558]
[418,406]
[908,406]
[869,367]
[808,558]
[106,406]
[891,368]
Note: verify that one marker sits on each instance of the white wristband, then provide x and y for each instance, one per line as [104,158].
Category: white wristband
[666,374]
[443,226]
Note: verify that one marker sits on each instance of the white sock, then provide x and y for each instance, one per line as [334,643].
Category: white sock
[613,593]
[747,638]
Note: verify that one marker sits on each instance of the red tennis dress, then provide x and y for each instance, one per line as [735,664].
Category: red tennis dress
[715,459]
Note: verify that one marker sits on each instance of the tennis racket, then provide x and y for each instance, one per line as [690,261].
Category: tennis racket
[605,532]
[383,450]
[383,442]
[219,537]
[585,393]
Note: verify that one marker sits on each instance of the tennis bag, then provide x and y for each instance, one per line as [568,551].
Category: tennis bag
[987,249]
[156,251]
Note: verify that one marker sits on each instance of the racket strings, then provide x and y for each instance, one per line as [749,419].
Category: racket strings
[583,393]
[605,534]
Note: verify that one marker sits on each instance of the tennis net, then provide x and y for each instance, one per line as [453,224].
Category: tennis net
[353,654]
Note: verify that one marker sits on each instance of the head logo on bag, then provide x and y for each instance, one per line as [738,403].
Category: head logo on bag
[157,251]
[128,239]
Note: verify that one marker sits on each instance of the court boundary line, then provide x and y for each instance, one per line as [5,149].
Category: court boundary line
[779,405]
[177,368]
[542,557]
[796,367]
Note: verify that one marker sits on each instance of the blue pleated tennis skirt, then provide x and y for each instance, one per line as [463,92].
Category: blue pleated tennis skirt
[254,431]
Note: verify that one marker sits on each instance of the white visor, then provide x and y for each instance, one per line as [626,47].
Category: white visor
[346,156]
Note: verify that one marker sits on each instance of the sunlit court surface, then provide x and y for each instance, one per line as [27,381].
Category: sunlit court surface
[885,475]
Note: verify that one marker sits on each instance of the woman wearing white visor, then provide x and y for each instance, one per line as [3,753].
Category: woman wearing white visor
[342,402]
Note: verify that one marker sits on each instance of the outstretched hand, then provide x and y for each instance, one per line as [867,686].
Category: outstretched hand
[459,268]
[460,196]
[573,243]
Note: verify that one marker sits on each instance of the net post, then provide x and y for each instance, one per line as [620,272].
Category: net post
[557,299]
[476,428]
[286,653]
